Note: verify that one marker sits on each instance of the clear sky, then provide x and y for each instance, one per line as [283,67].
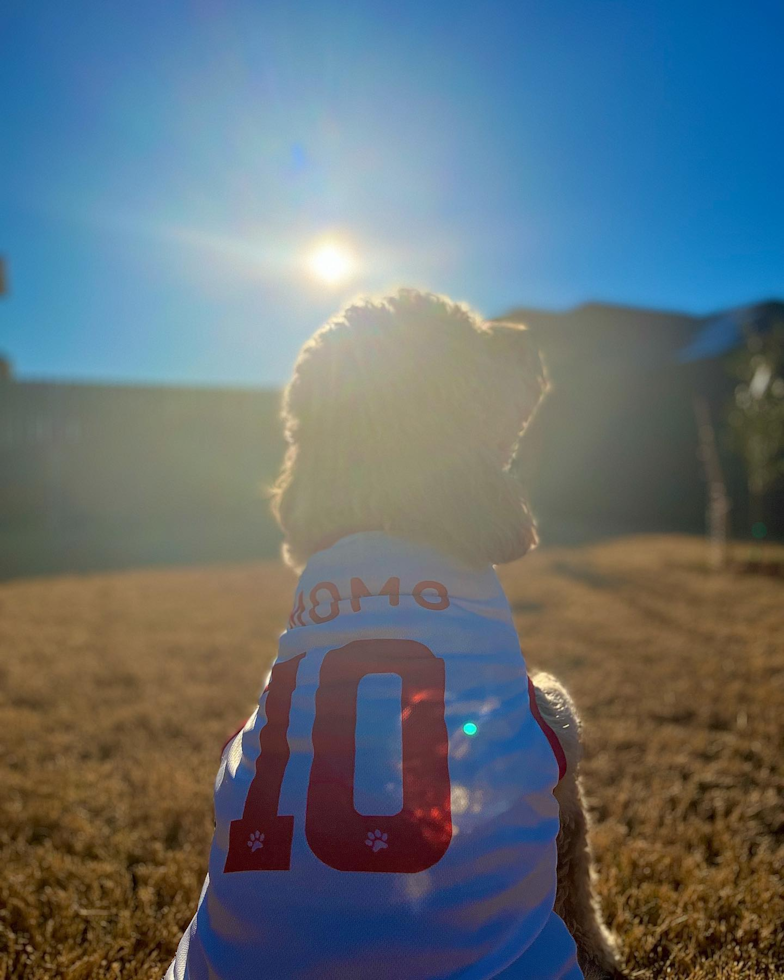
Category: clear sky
[166,167]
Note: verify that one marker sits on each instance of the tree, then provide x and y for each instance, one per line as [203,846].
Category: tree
[756,416]
[718,505]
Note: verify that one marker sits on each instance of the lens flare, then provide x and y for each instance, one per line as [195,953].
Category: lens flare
[470,728]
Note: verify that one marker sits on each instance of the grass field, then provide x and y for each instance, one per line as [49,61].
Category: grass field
[117,691]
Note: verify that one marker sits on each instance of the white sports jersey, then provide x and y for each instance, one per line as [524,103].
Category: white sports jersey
[387,812]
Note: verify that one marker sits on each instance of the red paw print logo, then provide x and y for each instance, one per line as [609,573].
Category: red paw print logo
[376,840]
[255,841]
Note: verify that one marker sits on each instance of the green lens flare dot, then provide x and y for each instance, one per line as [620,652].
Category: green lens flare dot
[470,728]
[759,530]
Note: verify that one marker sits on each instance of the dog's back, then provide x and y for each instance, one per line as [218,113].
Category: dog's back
[387,813]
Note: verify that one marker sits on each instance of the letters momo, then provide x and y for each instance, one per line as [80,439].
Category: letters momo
[324,599]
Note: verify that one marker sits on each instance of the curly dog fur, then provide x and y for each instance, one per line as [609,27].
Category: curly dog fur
[404,414]
[575,902]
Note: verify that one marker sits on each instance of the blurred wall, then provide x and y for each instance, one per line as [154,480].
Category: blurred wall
[614,447]
[95,476]
[98,476]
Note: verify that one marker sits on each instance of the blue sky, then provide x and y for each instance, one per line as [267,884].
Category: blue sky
[165,167]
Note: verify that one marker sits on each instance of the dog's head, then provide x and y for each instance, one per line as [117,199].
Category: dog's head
[403,415]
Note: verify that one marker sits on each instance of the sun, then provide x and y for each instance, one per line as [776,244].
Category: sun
[332,263]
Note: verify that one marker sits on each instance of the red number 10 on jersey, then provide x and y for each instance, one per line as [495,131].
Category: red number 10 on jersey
[409,841]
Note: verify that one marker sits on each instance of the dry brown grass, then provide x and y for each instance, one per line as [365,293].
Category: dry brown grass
[116,692]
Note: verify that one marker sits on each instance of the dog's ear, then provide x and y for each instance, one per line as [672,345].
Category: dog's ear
[514,352]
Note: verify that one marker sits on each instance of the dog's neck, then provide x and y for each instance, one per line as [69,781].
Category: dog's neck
[329,539]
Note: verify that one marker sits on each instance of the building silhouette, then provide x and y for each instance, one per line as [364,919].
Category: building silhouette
[614,446]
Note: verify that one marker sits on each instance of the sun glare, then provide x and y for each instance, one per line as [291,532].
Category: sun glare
[331,263]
